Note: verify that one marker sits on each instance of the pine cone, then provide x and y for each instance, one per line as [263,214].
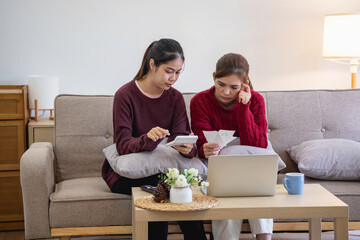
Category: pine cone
[162,191]
[167,187]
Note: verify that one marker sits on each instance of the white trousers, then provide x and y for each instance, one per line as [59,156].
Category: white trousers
[230,229]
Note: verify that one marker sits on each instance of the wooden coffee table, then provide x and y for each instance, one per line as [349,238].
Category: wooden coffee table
[315,203]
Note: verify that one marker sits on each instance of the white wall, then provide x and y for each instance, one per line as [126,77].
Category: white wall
[95,46]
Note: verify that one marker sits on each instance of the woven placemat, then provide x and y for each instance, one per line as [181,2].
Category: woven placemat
[200,202]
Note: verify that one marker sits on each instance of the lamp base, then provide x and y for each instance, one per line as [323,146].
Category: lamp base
[353,69]
[36,118]
[36,110]
[51,114]
[353,80]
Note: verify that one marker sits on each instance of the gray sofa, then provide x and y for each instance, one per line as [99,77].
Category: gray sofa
[62,185]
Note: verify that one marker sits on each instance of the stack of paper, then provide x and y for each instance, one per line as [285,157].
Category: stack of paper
[221,137]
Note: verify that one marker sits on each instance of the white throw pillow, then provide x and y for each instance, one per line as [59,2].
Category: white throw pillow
[233,148]
[331,159]
[144,164]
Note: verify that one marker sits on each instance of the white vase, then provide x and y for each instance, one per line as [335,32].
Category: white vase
[181,194]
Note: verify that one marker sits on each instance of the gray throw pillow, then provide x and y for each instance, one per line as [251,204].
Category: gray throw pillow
[233,148]
[331,159]
[144,164]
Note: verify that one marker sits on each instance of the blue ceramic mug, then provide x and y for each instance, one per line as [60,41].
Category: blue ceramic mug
[294,183]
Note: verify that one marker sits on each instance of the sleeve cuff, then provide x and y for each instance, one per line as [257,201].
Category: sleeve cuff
[150,145]
[192,153]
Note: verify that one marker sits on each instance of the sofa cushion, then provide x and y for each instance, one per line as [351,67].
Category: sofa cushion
[144,164]
[83,127]
[88,202]
[287,125]
[297,116]
[332,159]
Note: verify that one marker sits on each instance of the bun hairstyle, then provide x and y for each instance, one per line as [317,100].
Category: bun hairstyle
[161,52]
[233,63]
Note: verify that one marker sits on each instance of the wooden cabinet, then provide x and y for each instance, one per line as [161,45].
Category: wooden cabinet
[41,131]
[11,206]
[12,144]
[13,122]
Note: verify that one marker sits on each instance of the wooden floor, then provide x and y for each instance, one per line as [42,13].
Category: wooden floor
[353,235]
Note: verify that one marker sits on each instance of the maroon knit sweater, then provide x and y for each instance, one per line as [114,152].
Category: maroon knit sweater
[248,120]
[135,114]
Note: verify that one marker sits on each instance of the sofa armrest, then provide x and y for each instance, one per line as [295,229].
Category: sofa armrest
[37,183]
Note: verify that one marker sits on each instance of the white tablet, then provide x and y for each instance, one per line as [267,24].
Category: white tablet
[180,140]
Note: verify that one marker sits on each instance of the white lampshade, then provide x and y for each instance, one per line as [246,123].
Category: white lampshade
[44,89]
[342,36]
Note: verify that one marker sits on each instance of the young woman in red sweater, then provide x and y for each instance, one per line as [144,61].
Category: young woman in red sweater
[231,104]
[146,110]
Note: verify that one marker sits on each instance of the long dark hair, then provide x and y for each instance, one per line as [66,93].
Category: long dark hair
[161,52]
[233,63]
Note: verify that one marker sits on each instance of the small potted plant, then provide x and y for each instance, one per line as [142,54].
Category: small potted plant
[180,183]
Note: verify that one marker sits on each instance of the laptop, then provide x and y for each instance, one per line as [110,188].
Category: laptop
[242,175]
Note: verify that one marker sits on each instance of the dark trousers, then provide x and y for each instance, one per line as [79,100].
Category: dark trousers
[192,230]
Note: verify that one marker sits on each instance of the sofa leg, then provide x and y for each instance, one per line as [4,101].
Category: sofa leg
[65,238]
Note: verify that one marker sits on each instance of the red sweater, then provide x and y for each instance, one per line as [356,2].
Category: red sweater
[135,114]
[248,120]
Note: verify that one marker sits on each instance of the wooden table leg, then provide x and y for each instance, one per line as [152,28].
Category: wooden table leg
[341,229]
[140,231]
[139,228]
[315,229]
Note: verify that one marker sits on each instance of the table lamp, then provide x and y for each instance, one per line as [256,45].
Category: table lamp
[42,93]
[342,41]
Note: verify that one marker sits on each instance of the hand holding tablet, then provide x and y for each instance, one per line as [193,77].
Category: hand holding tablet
[181,140]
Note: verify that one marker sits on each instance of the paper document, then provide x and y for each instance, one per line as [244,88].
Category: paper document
[221,137]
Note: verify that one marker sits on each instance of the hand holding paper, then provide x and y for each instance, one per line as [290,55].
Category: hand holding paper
[221,137]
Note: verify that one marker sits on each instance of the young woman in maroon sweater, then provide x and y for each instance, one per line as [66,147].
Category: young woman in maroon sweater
[146,110]
[231,104]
